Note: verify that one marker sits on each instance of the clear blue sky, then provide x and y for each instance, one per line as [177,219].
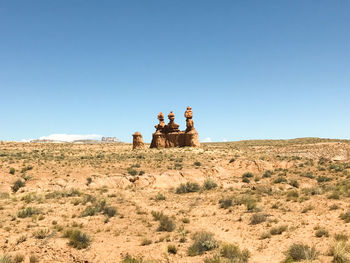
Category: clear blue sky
[249,69]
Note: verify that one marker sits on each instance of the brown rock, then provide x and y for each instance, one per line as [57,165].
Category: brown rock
[137,142]
[170,136]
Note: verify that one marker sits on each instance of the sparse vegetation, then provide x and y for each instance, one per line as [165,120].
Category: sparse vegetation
[77,238]
[202,241]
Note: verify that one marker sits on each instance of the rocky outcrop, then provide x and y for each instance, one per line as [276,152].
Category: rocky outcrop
[137,142]
[169,135]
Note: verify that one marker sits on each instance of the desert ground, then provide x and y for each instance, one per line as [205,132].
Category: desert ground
[248,201]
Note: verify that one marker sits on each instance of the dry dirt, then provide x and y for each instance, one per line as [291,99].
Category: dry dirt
[307,189]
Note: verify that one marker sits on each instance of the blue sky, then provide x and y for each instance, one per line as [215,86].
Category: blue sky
[249,69]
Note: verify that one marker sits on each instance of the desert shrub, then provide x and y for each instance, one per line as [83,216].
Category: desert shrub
[77,238]
[6,259]
[340,252]
[28,212]
[17,185]
[172,249]
[258,218]
[226,202]
[33,259]
[27,168]
[334,195]
[279,180]
[99,206]
[323,179]
[232,160]
[209,184]
[278,230]
[309,175]
[265,235]
[12,170]
[110,211]
[88,181]
[146,242]
[166,224]
[132,171]
[245,180]
[157,215]
[321,232]
[18,258]
[346,216]
[292,195]
[197,163]
[130,259]
[202,241]
[341,237]
[267,174]
[247,200]
[234,253]
[247,175]
[307,209]
[141,172]
[41,233]
[160,197]
[189,187]
[294,183]
[299,252]
[336,167]
[213,259]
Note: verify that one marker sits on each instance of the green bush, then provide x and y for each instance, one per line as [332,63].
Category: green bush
[322,232]
[17,185]
[166,224]
[323,179]
[234,254]
[6,259]
[299,252]
[226,202]
[340,252]
[189,187]
[267,174]
[12,170]
[277,230]
[172,249]
[346,216]
[202,241]
[132,171]
[209,184]
[28,212]
[258,218]
[77,239]
[197,163]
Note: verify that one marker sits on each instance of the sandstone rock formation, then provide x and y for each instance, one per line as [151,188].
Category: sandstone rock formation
[137,142]
[169,135]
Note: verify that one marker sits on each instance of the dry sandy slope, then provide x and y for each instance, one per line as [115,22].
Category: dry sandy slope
[61,167]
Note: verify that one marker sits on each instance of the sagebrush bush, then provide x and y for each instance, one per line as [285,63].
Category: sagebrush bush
[226,202]
[209,184]
[346,216]
[77,238]
[17,185]
[166,224]
[202,241]
[12,170]
[234,253]
[340,252]
[172,249]
[258,218]
[28,212]
[188,187]
[299,252]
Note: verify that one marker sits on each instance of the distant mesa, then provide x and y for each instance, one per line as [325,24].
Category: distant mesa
[82,141]
[109,139]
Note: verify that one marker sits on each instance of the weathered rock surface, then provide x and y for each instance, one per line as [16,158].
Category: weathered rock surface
[137,142]
[167,136]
